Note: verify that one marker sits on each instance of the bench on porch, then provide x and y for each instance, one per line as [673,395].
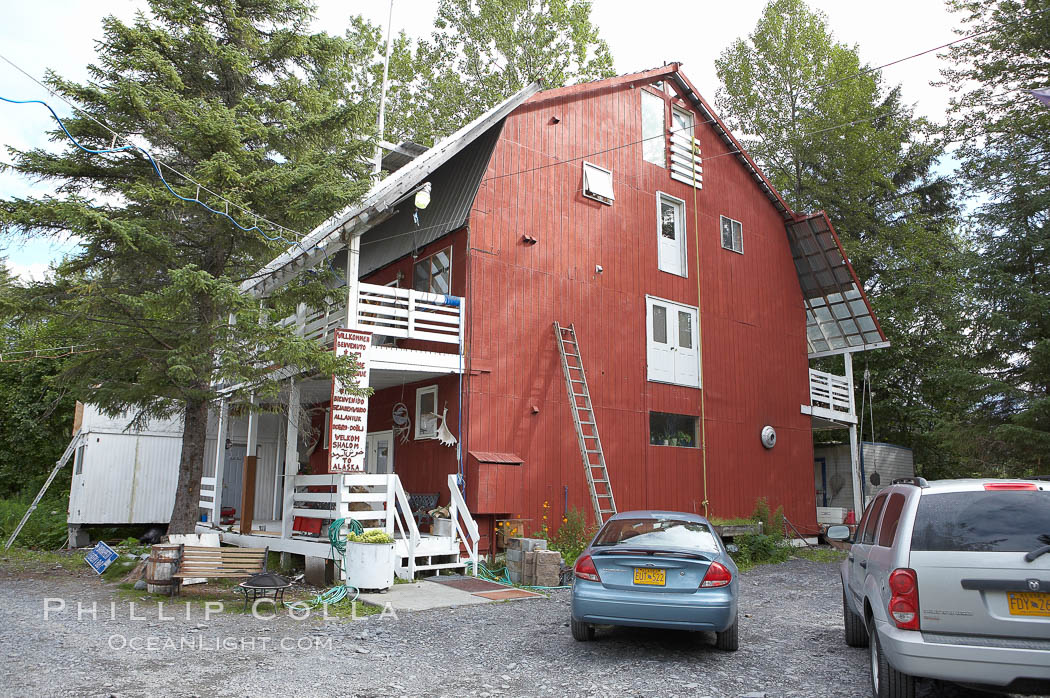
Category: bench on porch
[199,562]
[421,505]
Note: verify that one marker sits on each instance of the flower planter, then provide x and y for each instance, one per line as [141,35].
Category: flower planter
[442,527]
[370,565]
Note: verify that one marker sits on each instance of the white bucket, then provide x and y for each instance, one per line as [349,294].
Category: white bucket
[370,565]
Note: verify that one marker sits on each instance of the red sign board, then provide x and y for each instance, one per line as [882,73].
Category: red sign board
[349,414]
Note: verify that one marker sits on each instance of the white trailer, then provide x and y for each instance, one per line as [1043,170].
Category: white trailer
[122,475]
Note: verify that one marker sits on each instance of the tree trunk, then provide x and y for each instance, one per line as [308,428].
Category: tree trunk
[185,515]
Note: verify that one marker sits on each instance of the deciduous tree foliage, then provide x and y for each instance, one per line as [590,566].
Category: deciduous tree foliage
[1003,138]
[483,51]
[831,139]
[239,95]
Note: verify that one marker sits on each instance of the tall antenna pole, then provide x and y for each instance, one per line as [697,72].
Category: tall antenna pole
[382,94]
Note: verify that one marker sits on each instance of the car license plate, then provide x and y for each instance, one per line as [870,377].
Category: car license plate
[1025,603]
[646,575]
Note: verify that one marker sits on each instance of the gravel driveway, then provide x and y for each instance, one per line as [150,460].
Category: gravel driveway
[790,645]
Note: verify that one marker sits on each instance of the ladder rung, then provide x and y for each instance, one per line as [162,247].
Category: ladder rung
[594,451]
[607,511]
[590,423]
[599,482]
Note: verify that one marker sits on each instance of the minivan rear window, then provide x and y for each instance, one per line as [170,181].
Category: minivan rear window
[1003,521]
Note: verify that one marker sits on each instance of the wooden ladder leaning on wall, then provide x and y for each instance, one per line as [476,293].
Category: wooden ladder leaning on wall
[586,423]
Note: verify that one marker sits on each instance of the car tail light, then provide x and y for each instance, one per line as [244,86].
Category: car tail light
[585,569]
[1010,486]
[904,604]
[717,576]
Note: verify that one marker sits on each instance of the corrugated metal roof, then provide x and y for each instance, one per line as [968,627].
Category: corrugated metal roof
[454,186]
[328,238]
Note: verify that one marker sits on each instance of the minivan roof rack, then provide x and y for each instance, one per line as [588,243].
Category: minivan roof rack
[917,481]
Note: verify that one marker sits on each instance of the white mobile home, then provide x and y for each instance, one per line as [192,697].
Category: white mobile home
[880,464]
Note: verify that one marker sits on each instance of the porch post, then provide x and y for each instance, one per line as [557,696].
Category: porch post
[220,459]
[250,468]
[353,265]
[854,453]
[291,458]
[278,470]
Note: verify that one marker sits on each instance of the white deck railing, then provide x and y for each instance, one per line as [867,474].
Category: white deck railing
[829,391]
[402,312]
[389,510]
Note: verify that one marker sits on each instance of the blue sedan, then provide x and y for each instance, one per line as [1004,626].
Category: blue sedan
[656,569]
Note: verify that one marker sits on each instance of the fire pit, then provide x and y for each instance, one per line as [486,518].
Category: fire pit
[262,585]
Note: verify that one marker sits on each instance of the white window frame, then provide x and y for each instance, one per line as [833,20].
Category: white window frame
[672,344]
[78,460]
[662,133]
[682,234]
[734,238]
[598,183]
[420,392]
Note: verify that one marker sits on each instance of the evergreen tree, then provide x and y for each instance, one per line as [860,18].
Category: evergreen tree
[240,96]
[1003,144]
[831,138]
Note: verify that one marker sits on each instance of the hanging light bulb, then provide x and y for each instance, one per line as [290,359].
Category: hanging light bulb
[423,196]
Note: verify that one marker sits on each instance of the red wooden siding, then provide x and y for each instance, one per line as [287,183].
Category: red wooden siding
[754,352]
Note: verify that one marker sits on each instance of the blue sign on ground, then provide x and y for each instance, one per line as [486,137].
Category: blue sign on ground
[101,557]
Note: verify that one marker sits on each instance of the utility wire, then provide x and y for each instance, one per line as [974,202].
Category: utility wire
[157,164]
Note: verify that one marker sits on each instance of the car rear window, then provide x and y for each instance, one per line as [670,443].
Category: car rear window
[658,533]
[1005,521]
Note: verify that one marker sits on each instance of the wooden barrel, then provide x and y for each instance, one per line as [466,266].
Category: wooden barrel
[162,563]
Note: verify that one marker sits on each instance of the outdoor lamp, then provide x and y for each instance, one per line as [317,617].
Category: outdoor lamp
[423,196]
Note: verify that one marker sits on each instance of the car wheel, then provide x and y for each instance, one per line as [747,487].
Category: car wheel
[581,632]
[887,682]
[728,640]
[856,633]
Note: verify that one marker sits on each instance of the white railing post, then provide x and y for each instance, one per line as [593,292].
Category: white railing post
[220,460]
[291,459]
[391,509]
[353,284]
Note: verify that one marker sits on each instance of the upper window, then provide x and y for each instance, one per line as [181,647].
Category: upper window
[433,274]
[79,461]
[653,129]
[732,235]
[671,234]
[667,429]
[426,412]
[672,354]
[597,183]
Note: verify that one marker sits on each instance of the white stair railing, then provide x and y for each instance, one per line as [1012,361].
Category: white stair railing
[466,529]
[401,515]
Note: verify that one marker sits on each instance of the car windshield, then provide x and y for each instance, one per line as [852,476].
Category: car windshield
[996,521]
[658,533]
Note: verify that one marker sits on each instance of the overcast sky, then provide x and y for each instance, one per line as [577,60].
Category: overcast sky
[60,35]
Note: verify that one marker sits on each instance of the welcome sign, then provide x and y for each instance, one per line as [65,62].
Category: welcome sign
[348,423]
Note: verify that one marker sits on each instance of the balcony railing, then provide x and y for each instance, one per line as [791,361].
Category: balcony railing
[403,312]
[391,312]
[829,391]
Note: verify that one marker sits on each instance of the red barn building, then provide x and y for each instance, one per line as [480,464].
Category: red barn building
[624,209]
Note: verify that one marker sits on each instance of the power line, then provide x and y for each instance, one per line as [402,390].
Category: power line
[156,164]
[64,352]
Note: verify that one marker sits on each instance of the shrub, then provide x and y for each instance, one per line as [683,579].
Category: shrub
[759,549]
[374,535]
[45,529]
[572,537]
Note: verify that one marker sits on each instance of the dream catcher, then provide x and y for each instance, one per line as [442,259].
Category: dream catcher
[402,422]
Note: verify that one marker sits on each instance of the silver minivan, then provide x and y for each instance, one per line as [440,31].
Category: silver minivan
[950,580]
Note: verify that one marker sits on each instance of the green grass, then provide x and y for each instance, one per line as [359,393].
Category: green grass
[20,559]
[45,529]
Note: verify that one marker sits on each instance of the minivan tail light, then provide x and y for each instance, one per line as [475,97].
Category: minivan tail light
[904,604]
[1010,486]
[585,569]
[717,576]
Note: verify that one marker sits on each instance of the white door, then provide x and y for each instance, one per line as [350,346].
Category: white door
[232,474]
[379,450]
[660,355]
[673,354]
[671,234]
